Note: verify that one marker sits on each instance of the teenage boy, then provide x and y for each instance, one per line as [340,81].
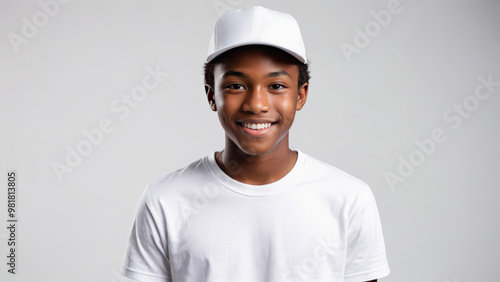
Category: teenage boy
[256,211]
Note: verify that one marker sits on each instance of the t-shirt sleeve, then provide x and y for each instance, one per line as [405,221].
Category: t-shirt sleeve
[366,257]
[146,259]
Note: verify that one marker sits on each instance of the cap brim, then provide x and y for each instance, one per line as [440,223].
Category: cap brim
[227,48]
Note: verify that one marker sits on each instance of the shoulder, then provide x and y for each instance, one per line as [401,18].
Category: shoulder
[334,179]
[179,181]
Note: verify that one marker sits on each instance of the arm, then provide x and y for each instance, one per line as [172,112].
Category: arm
[366,258]
[147,258]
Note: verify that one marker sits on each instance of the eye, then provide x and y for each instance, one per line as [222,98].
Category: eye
[277,86]
[235,86]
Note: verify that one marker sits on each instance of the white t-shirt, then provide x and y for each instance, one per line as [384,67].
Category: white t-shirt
[315,224]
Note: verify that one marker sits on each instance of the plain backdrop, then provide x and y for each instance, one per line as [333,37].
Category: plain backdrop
[66,66]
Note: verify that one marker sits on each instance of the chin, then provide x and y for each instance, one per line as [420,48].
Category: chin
[256,150]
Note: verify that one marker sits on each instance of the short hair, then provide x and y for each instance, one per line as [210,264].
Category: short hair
[304,73]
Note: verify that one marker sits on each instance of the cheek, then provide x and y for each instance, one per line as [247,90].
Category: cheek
[226,104]
[226,108]
[286,107]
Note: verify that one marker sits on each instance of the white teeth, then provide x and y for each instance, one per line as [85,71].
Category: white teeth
[257,125]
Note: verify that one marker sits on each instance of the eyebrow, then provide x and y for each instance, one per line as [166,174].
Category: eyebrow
[278,73]
[242,75]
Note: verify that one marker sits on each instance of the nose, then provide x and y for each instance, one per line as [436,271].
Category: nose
[256,101]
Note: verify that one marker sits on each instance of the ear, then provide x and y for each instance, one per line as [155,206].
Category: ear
[210,98]
[303,90]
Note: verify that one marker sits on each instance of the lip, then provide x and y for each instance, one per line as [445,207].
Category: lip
[256,132]
[255,120]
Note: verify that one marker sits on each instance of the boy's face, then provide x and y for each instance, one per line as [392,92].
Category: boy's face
[256,96]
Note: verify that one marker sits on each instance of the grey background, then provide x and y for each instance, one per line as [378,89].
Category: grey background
[440,224]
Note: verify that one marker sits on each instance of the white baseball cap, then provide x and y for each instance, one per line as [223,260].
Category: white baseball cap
[260,26]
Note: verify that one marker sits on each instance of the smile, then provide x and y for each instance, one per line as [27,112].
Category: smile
[256,126]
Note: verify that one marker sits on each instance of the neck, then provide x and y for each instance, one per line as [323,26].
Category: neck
[256,169]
